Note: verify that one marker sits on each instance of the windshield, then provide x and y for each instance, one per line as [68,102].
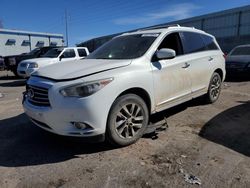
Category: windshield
[34,52]
[125,47]
[241,51]
[53,52]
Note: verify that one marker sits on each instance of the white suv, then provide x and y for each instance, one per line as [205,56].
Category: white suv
[115,89]
[55,55]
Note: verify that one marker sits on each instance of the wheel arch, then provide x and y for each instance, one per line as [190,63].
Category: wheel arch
[220,72]
[141,93]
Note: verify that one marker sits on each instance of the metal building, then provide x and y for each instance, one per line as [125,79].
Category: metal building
[230,27]
[13,42]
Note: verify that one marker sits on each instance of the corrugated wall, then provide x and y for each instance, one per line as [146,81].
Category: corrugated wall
[230,27]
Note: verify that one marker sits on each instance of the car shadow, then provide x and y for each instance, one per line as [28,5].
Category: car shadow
[24,144]
[230,128]
[177,109]
[15,83]
[7,77]
[237,78]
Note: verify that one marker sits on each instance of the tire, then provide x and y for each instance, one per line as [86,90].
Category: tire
[127,121]
[214,88]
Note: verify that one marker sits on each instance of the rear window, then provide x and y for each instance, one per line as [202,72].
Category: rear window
[82,52]
[241,51]
[209,42]
[193,42]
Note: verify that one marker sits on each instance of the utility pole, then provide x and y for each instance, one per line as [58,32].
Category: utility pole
[66,27]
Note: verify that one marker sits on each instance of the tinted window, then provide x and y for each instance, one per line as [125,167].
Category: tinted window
[241,51]
[44,50]
[82,52]
[53,52]
[34,52]
[69,53]
[209,42]
[193,42]
[172,41]
[125,47]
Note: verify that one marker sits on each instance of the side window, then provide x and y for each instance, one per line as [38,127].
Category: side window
[82,52]
[193,43]
[43,51]
[172,41]
[209,42]
[68,53]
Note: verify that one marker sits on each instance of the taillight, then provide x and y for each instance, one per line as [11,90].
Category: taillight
[224,55]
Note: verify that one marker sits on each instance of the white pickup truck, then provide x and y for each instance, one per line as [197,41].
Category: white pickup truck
[55,55]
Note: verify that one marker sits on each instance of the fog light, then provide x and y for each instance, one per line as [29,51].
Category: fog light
[80,125]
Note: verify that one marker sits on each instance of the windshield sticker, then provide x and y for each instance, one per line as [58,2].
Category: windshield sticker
[150,35]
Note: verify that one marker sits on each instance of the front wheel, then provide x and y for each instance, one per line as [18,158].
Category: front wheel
[214,88]
[127,121]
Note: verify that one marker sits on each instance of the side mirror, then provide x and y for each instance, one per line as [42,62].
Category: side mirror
[60,57]
[165,53]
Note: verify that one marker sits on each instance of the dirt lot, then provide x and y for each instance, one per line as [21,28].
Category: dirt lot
[211,142]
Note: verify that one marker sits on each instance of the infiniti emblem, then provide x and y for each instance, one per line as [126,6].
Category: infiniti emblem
[30,93]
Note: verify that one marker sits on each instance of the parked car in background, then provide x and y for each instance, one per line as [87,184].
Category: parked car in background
[2,65]
[113,92]
[12,62]
[238,61]
[55,55]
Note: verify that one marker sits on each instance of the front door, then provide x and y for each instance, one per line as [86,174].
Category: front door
[172,83]
[69,55]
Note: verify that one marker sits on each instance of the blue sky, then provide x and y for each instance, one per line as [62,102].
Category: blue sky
[93,18]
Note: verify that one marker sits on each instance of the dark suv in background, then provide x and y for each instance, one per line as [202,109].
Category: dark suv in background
[11,62]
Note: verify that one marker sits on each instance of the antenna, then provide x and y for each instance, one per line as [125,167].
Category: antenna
[66,27]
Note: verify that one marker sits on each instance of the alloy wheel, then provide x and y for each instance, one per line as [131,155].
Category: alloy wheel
[129,120]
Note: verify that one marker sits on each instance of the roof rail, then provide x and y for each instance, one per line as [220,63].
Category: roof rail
[159,27]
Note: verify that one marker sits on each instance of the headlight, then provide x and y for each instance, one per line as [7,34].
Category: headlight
[33,65]
[85,89]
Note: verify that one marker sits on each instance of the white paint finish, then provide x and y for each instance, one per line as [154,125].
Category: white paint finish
[170,79]
[166,82]
[26,71]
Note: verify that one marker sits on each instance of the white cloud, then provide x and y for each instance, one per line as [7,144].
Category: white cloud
[174,12]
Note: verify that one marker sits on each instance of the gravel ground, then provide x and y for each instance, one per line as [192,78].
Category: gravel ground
[210,142]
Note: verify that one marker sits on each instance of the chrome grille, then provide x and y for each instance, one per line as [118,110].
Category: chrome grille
[37,96]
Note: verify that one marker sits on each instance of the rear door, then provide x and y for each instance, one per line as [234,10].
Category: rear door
[199,60]
[172,83]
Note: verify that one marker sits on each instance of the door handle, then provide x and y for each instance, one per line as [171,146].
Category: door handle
[210,59]
[186,65]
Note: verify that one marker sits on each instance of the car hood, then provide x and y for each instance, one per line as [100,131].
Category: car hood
[78,68]
[238,59]
[36,60]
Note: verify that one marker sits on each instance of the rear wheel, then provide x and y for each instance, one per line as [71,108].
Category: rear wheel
[128,119]
[214,88]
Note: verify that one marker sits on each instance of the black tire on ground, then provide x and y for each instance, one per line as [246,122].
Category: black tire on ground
[214,88]
[127,121]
